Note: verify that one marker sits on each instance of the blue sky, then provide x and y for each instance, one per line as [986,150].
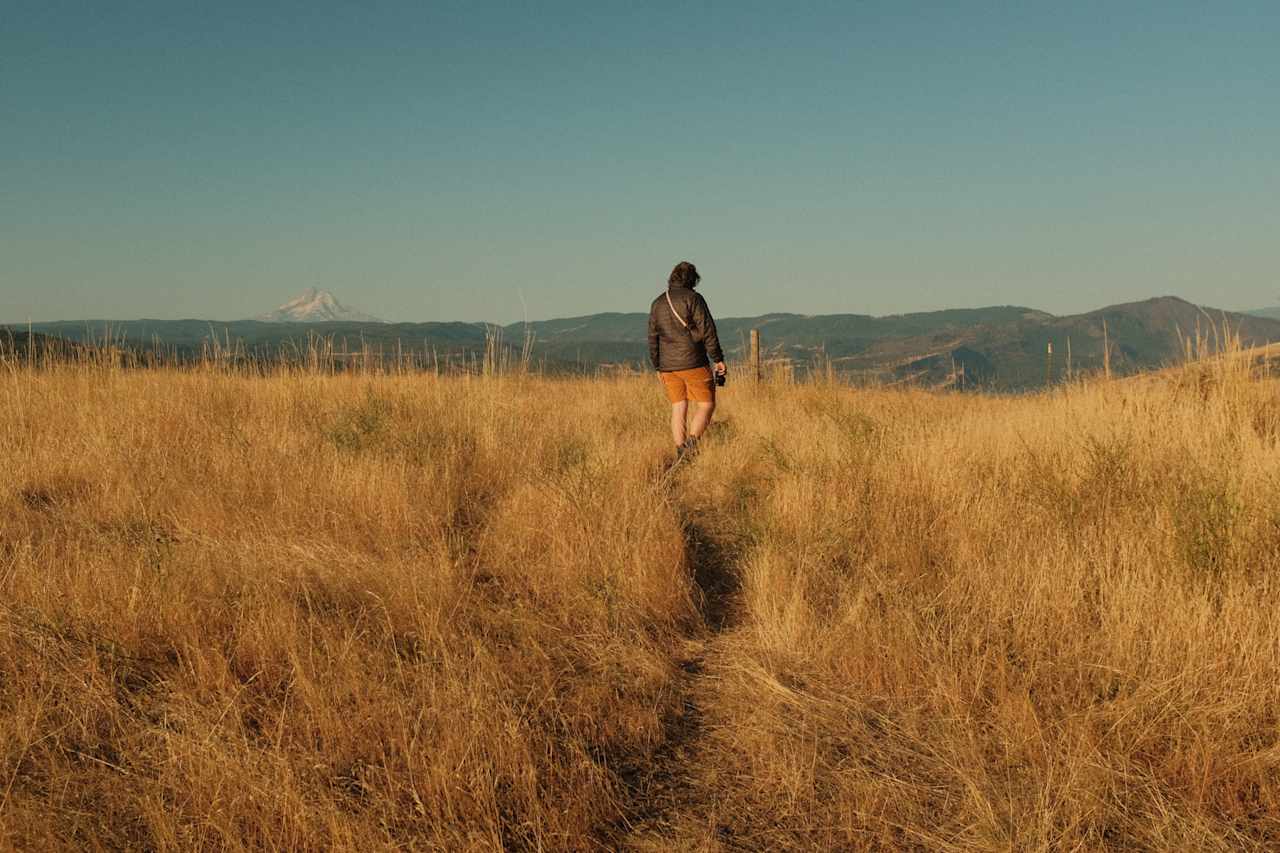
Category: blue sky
[475,161]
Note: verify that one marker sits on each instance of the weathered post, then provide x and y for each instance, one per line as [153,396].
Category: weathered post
[1106,351]
[1048,365]
[755,353]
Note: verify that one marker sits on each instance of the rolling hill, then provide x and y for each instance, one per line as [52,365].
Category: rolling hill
[23,344]
[1001,347]
[1142,335]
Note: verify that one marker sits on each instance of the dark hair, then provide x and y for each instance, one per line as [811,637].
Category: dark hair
[684,275]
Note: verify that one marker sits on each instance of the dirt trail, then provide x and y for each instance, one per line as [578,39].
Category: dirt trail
[671,808]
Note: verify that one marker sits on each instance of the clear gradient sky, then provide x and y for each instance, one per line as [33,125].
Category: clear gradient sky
[431,161]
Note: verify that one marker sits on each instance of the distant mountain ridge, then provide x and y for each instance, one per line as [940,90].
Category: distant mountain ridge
[315,306]
[1269,313]
[1001,347]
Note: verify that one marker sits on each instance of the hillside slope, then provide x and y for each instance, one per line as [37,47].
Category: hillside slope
[24,344]
[1142,335]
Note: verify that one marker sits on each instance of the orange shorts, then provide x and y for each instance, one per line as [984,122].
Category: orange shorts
[695,384]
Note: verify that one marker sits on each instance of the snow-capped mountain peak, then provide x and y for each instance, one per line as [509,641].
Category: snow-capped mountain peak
[315,306]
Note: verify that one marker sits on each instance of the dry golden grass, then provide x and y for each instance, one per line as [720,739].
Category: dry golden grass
[347,612]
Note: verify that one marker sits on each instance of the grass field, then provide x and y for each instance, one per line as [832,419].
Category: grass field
[474,613]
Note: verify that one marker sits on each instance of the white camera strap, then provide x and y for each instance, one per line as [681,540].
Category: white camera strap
[672,306]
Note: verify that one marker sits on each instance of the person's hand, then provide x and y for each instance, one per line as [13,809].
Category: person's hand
[721,368]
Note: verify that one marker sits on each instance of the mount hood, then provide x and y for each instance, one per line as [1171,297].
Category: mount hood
[315,306]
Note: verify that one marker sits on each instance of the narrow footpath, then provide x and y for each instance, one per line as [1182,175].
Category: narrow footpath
[670,809]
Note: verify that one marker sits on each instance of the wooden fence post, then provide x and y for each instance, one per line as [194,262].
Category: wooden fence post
[755,353]
[1106,351]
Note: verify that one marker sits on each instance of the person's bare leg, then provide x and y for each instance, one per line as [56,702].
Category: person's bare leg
[701,418]
[678,413]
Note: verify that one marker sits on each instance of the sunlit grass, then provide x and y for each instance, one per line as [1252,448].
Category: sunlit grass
[311,611]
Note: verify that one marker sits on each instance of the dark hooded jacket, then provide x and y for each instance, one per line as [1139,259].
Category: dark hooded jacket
[671,346]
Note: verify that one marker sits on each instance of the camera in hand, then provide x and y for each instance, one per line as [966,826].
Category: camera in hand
[721,377]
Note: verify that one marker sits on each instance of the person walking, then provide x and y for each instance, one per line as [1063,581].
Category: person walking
[685,349]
